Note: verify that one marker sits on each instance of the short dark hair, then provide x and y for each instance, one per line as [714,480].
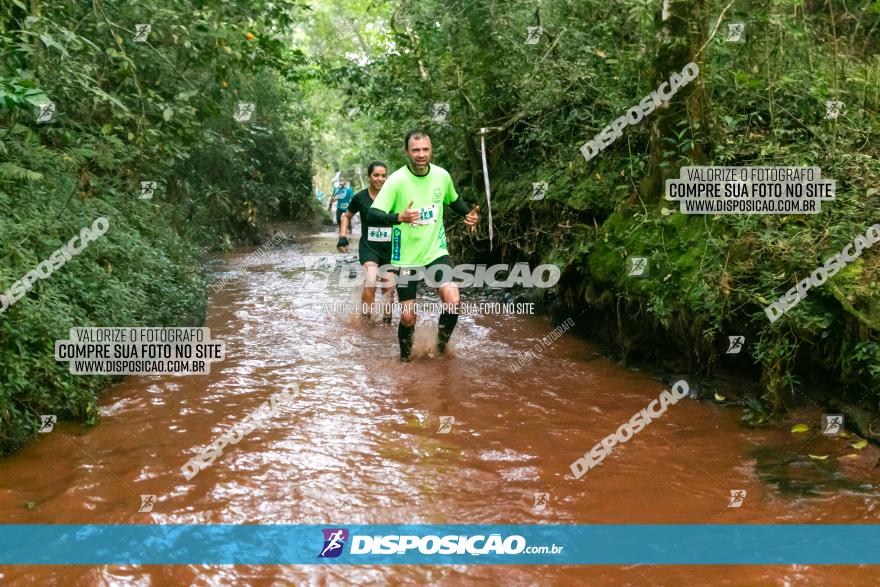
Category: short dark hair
[374,165]
[414,134]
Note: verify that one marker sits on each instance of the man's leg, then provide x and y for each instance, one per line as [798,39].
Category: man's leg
[448,319]
[440,272]
[406,330]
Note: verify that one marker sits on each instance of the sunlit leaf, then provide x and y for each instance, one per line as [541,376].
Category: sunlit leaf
[800,428]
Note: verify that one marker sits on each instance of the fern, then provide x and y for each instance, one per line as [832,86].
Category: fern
[12,171]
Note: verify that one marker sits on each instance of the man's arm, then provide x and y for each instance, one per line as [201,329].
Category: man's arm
[379,214]
[381,218]
[459,206]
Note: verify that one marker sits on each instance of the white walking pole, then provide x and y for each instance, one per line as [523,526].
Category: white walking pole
[483,132]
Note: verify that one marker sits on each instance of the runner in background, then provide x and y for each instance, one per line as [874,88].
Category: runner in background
[338,190]
[343,196]
[337,185]
[374,247]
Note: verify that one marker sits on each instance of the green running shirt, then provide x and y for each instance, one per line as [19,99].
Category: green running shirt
[416,245]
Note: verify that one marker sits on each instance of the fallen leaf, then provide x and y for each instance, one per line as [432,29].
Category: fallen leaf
[719,397]
[850,456]
[818,457]
[860,444]
[800,428]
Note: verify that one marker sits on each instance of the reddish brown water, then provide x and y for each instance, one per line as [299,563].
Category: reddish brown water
[359,444]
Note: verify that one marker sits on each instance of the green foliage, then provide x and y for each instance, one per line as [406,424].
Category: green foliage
[127,112]
[761,102]
[755,414]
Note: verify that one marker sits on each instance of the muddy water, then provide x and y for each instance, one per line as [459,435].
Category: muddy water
[359,444]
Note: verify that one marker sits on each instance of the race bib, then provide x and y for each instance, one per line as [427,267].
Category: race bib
[379,233]
[427,215]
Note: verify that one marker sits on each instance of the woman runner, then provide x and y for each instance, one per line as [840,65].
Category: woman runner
[374,248]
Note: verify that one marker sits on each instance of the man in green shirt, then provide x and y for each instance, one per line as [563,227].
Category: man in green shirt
[412,201]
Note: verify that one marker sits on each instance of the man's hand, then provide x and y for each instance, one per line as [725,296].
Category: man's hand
[342,245]
[409,215]
[473,217]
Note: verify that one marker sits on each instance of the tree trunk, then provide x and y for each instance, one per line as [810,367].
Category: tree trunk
[680,34]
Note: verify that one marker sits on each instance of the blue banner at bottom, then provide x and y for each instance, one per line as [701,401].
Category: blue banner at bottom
[516,544]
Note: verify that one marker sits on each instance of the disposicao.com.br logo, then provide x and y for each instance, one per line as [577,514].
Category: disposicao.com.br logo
[476,545]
